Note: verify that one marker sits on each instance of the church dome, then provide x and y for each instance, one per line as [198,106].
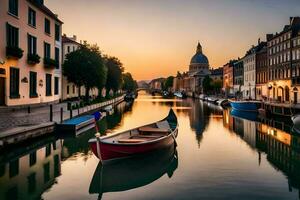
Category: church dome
[199,57]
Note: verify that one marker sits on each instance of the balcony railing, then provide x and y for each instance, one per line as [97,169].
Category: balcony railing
[33,59]
[50,63]
[14,52]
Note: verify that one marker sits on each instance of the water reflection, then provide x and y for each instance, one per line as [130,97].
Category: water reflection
[238,158]
[133,172]
[26,172]
[282,148]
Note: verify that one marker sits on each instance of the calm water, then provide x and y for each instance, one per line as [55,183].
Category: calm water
[218,157]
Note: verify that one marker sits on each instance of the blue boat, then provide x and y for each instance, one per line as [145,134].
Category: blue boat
[249,106]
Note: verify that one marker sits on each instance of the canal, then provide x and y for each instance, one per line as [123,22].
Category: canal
[218,157]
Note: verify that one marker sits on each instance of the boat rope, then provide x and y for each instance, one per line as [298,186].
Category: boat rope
[98,145]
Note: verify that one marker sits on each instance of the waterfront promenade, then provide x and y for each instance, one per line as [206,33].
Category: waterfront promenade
[20,121]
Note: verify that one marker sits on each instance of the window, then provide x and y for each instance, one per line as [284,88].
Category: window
[57,32]
[13,7]
[31,17]
[31,40]
[47,26]
[68,89]
[68,49]
[48,150]
[13,168]
[47,50]
[46,172]
[56,85]
[14,82]
[32,84]
[57,57]
[32,158]
[48,85]
[31,183]
[12,36]
[73,89]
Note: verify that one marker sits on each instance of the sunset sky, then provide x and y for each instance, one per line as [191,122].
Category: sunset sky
[155,38]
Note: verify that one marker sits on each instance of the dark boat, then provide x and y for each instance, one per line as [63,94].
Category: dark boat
[139,140]
[249,106]
[129,97]
[133,172]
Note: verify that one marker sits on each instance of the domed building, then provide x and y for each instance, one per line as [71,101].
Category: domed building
[199,61]
[191,82]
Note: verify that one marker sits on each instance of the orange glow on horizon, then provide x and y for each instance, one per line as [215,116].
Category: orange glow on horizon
[158,38]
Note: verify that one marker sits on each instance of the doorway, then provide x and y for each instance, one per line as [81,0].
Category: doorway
[2,91]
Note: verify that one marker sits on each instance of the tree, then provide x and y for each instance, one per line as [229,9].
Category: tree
[129,84]
[168,83]
[114,73]
[207,84]
[85,67]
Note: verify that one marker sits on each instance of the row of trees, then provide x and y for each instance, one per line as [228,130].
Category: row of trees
[210,86]
[89,68]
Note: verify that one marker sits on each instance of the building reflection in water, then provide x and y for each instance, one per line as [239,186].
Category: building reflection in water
[26,174]
[282,148]
[199,115]
[29,170]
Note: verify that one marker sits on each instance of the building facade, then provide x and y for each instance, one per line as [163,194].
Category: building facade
[228,78]
[280,52]
[217,74]
[295,67]
[238,76]
[262,73]
[249,74]
[30,53]
[191,82]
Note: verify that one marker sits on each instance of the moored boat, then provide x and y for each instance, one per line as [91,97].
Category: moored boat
[250,106]
[223,102]
[138,140]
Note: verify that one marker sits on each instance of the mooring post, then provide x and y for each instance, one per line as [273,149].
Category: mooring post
[71,113]
[51,113]
[28,109]
[61,114]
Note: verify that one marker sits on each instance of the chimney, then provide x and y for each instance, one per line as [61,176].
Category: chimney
[74,38]
[269,37]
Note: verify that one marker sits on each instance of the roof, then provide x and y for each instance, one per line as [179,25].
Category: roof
[65,39]
[44,9]
[199,58]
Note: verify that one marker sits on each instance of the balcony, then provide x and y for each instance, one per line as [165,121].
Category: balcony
[50,63]
[14,52]
[33,59]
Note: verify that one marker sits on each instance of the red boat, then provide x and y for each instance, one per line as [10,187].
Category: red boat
[139,140]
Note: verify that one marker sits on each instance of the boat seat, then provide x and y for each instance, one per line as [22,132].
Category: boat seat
[131,141]
[147,136]
[155,130]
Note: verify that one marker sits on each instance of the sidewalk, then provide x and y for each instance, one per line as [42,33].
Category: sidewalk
[40,115]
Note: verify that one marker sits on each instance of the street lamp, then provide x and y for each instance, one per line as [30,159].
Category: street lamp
[2,62]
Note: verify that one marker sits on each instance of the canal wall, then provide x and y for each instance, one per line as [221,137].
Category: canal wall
[45,123]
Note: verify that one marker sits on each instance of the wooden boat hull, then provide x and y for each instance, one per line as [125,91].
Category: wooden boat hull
[113,149]
[250,106]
